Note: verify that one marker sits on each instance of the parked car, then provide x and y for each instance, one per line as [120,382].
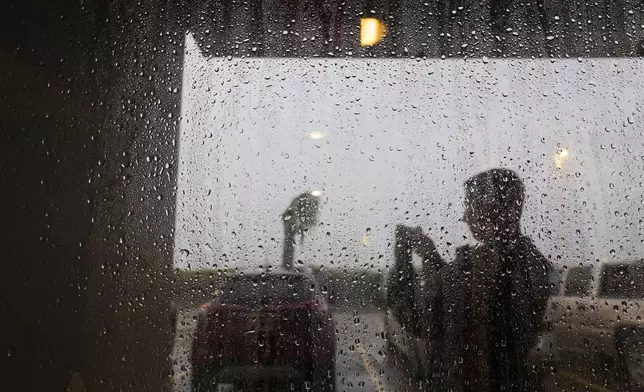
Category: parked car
[597,318]
[271,331]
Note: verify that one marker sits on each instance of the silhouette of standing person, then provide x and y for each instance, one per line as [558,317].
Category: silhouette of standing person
[300,216]
[487,305]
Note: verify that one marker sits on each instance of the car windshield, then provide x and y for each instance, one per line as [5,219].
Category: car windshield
[578,282]
[266,290]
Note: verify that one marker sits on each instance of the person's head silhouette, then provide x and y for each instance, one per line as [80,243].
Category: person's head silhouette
[493,205]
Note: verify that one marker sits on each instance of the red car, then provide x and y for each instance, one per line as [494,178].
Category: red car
[268,331]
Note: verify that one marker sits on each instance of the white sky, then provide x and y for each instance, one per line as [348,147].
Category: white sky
[400,138]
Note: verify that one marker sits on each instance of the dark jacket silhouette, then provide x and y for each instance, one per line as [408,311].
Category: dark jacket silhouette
[487,305]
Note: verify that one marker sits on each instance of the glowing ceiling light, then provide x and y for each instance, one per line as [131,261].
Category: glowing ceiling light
[316,193]
[316,135]
[372,31]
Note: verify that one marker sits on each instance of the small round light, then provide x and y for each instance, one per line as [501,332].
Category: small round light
[316,135]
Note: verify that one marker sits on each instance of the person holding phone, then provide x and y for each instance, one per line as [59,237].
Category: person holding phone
[487,304]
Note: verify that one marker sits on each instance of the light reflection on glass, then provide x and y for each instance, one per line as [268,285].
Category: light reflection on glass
[560,157]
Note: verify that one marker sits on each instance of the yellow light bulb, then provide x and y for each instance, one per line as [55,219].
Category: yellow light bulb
[372,31]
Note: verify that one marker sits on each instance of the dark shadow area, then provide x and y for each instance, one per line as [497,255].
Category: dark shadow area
[49,103]
[86,217]
[450,29]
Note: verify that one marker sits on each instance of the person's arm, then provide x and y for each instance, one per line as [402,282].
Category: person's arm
[425,248]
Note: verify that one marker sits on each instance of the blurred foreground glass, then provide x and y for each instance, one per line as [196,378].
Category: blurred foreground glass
[196,192]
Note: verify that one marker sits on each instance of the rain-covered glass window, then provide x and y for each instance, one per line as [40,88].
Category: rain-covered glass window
[321,195]
[578,281]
